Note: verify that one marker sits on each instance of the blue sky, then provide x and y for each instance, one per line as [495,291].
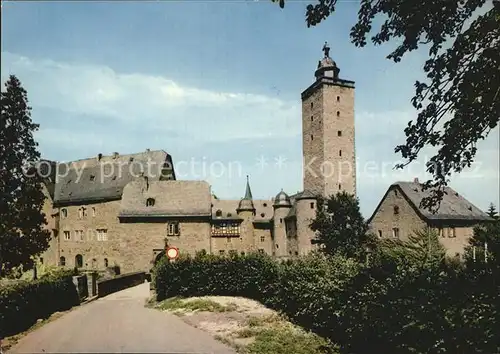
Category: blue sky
[215,82]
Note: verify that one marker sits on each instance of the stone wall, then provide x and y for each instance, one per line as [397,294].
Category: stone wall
[306,212]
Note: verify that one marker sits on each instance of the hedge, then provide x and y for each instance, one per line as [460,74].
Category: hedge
[23,303]
[362,309]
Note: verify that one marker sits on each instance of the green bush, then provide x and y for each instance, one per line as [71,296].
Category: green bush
[390,307]
[23,303]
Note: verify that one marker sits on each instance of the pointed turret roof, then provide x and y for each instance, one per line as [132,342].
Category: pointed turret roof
[246,204]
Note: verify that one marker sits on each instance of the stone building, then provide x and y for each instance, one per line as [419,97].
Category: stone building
[124,209]
[399,215]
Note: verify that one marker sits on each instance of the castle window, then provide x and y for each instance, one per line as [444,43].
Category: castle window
[265,205]
[228,239]
[312,138]
[93,211]
[221,252]
[396,192]
[452,232]
[67,235]
[78,261]
[338,98]
[396,210]
[262,238]
[150,202]
[339,133]
[340,152]
[262,214]
[277,246]
[440,231]
[41,260]
[173,229]
[395,232]
[218,213]
[380,233]
[296,253]
[338,113]
[340,186]
[62,261]
[312,105]
[312,118]
[79,235]
[92,178]
[64,213]
[312,205]
[281,220]
[102,234]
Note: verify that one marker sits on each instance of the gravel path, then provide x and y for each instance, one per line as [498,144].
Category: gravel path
[119,323]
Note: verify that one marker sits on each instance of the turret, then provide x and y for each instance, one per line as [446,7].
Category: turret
[246,211]
[281,208]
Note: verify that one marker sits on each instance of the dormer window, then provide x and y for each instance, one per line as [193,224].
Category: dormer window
[150,202]
[218,213]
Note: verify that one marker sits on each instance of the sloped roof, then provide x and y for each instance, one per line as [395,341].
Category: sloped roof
[227,206]
[171,198]
[452,207]
[92,180]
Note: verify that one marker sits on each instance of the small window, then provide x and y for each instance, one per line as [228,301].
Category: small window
[93,211]
[67,235]
[79,261]
[262,238]
[228,239]
[41,260]
[229,214]
[340,186]
[395,232]
[173,229]
[64,213]
[296,253]
[92,178]
[150,202]
[218,213]
[339,133]
[452,232]
[102,234]
[131,159]
[340,152]
[242,253]
[262,214]
[312,118]
[338,113]
[380,233]
[338,98]
[221,252]
[312,205]
[396,210]
[277,246]
[312,138]
[265,205]
[396,192]
[312,105]
[290,253]
[62,261]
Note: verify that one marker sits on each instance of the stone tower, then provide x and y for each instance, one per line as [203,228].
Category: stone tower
[328,131]
[281,208]
[246,210]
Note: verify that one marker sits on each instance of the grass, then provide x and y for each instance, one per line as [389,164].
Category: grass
[273,335]
[176,303]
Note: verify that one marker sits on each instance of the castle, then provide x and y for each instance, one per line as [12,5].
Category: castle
[124,209]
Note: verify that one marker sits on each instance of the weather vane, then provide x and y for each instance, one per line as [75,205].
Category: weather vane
[326,49]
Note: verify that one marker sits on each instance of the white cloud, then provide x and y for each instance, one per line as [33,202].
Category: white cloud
[150,100]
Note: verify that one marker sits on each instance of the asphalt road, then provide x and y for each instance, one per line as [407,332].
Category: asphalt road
[119,323]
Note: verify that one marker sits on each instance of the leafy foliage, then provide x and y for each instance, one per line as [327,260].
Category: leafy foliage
[486,238]
[340,227]
[459,102]
[23,303]
[21,198]
[439,308]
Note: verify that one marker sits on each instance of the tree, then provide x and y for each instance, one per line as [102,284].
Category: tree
[461,92]
[21,198]
[340,227]
[492,211]
[486,238]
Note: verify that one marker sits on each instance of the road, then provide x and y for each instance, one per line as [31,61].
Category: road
[119,323]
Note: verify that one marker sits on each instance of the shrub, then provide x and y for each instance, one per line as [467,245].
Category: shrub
[23,303]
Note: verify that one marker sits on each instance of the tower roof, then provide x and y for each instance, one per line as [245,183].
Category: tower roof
[246,203]
[326,66]
[282,199]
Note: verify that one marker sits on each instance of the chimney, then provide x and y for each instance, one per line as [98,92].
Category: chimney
[415,180]
[115,155]
[99,157]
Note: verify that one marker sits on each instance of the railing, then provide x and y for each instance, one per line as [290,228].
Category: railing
[120,282]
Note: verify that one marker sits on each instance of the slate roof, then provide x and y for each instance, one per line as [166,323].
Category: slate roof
[453,206]
[227,206]
[94,180]
[171,198]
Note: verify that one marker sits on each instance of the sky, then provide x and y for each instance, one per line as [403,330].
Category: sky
[217,85]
